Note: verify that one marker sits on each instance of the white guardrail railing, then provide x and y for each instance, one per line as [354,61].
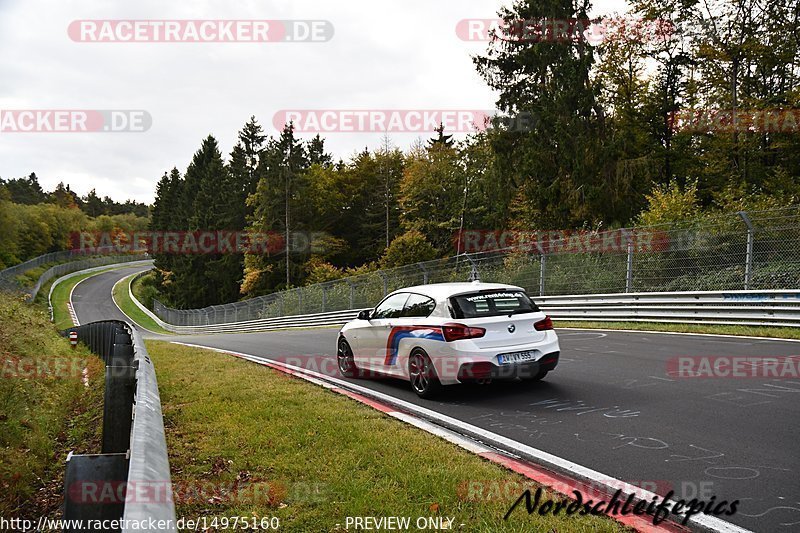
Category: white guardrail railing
[747,308]
[134,447]
[296,321]
[149,460]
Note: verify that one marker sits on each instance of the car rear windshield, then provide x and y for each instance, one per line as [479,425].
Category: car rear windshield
[491,303]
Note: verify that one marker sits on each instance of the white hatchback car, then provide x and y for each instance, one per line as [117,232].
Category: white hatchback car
[448,333]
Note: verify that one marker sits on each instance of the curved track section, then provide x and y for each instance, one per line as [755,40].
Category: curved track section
[611,405]
[91,298]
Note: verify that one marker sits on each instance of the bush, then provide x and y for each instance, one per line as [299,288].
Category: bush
[145,289]
[320,271]
[670,204]
[410,247]
[779,275]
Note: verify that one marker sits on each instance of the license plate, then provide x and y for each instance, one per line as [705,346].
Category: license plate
[517,357]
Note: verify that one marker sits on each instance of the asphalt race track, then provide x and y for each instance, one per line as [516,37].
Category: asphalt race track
[611,405]
[91,298]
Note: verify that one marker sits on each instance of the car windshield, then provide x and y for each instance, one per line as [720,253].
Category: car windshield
[491,303]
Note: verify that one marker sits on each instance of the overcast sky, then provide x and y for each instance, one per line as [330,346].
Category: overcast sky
[385,54]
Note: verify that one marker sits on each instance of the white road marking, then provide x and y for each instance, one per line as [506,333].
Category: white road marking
[775,339]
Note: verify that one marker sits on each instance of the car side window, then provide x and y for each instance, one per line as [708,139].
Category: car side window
[392,307]
[418,306]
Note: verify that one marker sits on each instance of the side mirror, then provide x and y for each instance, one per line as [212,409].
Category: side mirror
[365,314]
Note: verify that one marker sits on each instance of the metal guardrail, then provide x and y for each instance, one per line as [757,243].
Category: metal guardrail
[297,321]
[746,308]
[8,277]
[149,462]
[134,449]
[312,320]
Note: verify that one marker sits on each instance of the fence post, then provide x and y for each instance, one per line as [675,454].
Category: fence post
[385,282]
[474,274]
[352,292]
[424,273]
[748,260]
[542,270]
[324,297]
[629,267]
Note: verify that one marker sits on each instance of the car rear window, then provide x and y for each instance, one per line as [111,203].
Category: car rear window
[491,303]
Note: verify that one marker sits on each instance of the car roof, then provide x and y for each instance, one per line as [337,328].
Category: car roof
[440,291]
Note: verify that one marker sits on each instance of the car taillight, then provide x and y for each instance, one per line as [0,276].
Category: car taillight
[544,325]
[456,332]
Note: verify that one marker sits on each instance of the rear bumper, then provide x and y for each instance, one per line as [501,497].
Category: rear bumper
[457,364]
[481,370]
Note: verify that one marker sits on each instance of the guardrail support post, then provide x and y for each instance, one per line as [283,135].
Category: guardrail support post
[748,261]
[118,409]
[119,391]
[88,482]
[542,270]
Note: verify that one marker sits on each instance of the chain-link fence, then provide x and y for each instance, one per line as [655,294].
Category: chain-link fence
[737,251]
[12,279]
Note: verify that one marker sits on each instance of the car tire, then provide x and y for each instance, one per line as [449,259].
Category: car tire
[422,375]
[345,360]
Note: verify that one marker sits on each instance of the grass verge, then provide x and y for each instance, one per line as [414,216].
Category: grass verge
[750,331]
[144,290]
[29,278]
[45,409]
[60,297]
[123,299]
[321,456]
